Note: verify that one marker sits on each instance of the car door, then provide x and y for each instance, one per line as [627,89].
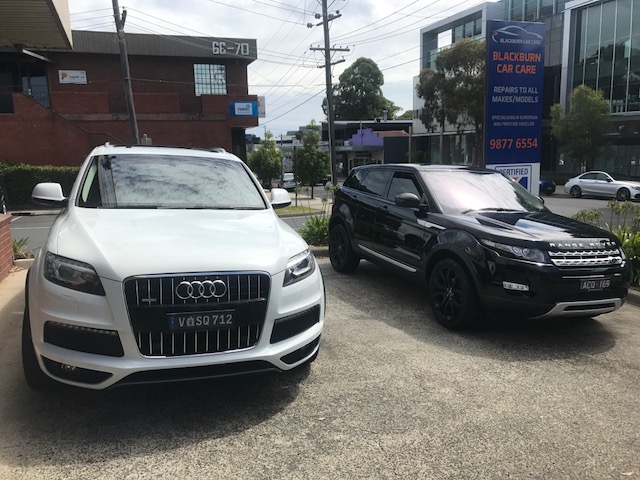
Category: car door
[365,200]
[605,186]
[588,183]
[399,236]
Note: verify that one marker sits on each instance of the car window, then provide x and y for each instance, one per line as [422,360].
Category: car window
[403,182]
[604,177]
[589,176]
[354,179]
[166,181]
[375,181]
[462,191]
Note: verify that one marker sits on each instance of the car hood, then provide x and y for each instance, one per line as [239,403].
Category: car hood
[121,243]
[544,227]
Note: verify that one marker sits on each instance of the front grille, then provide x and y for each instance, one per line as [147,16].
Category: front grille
[605,257]
[151,299]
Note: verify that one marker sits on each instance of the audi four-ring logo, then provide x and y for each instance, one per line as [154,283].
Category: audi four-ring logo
[206,289]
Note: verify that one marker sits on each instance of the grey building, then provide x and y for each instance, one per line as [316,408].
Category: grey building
[590,42]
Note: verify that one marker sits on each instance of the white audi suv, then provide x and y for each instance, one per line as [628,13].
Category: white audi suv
[167,264]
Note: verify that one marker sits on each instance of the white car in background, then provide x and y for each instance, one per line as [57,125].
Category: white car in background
[289,182]
[167,264]
[601,184]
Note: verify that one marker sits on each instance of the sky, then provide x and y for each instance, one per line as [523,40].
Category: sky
[286,72]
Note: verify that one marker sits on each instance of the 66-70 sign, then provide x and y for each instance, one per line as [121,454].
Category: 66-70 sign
[231,48]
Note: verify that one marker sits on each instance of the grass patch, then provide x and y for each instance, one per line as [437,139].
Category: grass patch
[299,210]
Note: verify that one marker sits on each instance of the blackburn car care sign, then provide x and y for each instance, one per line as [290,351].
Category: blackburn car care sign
[515,77]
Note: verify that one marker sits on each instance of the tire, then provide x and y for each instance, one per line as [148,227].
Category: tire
[453,297]
[33,374]
[343,258]
[623,194]
[575,192]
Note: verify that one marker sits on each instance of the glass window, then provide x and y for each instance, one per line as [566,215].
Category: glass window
[210,79]
[463,191]
[403,183]
[546,8]
[623,23]
[355,179]
[530,10]
[167,181]
[516,10]
[376,181]
[608,22]
[635,20]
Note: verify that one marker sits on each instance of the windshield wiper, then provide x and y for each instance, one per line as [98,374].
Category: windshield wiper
[492,209]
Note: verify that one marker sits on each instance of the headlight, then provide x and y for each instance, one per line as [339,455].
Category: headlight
[299,267]
[529,254]
[72,274]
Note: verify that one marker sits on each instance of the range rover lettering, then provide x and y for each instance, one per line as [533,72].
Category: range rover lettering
[479,242]
[167,264]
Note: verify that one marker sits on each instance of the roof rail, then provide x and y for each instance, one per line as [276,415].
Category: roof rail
[217,149]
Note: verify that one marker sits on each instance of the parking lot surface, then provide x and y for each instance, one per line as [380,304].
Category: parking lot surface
[392,395]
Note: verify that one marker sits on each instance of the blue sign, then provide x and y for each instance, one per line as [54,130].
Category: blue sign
[243,109]
[515,78]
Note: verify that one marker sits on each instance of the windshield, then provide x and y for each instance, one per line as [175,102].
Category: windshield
[166,181]
[462,191]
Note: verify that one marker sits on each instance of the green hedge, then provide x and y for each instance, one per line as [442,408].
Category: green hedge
[19,181]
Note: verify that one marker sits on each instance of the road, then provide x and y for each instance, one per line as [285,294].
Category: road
[36,227]
[392,395]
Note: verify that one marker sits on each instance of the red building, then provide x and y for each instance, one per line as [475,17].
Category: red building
[58,103]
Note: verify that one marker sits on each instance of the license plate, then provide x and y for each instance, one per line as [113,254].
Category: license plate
[596,284]
[180,322]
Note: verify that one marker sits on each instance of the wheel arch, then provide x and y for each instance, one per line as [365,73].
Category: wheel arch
[450,252]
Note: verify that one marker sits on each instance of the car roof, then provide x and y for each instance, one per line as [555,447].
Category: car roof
[426,167]
[108,149]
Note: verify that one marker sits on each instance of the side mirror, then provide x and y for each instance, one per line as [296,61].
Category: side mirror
[280,198]
[49,194]
[409,200]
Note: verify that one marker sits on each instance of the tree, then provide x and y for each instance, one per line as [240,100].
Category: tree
[581,131]
[433,115]
[266,160]
[406,115]
[358,94]
[309,163]
[455,90]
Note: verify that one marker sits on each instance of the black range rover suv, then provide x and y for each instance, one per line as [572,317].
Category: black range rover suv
[478,240]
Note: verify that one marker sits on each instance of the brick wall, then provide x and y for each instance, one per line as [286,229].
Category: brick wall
[85,115]
[6,250]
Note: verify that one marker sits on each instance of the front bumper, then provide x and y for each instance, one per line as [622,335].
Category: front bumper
[550,291]
[50,304]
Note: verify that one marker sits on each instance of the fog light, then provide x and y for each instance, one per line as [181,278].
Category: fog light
[519,287]
[67,368]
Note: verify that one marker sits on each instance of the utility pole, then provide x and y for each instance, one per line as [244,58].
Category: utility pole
[326,18]
[124,63]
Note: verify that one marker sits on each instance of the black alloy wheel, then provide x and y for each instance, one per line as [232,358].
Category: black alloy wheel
[623,194]
[575,191]
[452,295]
[343,258]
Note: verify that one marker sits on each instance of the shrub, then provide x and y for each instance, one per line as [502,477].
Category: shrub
[316,230]
[20,179]
[19,249]
[627,230]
